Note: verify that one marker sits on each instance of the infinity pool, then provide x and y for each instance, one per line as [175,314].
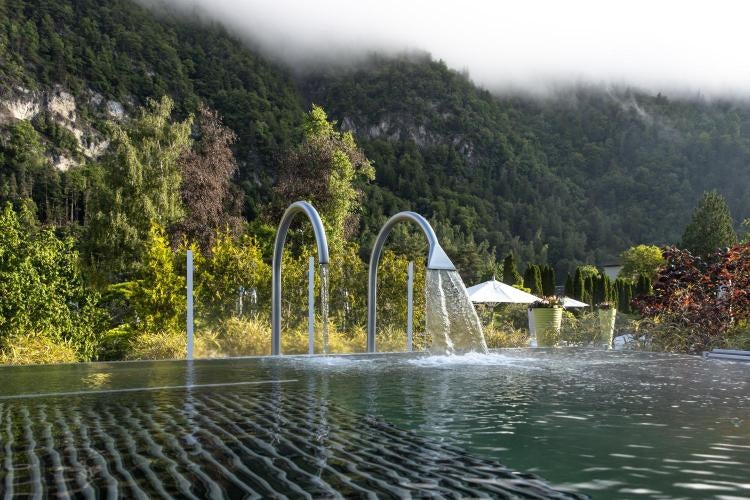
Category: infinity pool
[603,424]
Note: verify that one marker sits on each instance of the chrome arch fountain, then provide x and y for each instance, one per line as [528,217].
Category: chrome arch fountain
[322,243]
[436,259]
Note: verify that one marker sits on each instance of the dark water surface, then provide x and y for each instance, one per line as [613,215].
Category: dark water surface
[609,425]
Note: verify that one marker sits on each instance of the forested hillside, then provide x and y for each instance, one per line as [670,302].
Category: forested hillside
[574,177]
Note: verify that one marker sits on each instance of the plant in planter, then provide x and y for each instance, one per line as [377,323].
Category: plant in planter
[607,316]
[545,319]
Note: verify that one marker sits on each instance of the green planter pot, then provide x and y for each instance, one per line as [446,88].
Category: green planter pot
[607,319]
[546,325]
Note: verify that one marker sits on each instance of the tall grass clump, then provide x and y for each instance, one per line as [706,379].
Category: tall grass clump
[36,349]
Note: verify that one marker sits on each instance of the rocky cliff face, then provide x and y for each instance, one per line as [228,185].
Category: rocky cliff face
[61,107]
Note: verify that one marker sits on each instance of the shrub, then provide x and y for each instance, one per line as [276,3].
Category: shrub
[497,338]
[42,293]
[698,302]
[579,330]
[158,345]
[247,336]
[36,349]
[230,265]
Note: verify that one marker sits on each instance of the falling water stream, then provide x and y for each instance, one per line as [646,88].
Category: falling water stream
[324,304]
[451,319]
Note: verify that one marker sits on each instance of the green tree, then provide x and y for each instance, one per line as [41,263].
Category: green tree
[711,226]
[232,265]
[26,174]
[588,271]
[328,169]
[579,284]
[588,295]
[643,286]
[532,279]
[549,281]
[569,286]
[511,276]
[745,231]
[157,295]
[42,292]
[139,186]
[641,260]
[624,292]
[602,289]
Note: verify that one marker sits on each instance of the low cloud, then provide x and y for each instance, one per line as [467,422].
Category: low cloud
[690,47]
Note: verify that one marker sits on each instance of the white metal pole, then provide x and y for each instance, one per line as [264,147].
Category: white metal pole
[409,305]
[311,306]
[190,339]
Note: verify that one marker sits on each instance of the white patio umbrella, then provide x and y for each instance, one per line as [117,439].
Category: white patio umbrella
[495,292]
[568,302]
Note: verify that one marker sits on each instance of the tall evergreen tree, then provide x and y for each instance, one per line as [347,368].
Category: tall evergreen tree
[711,227]
[597,290]
[511,276]
[578,284]
[624,289]
[532,279]
[588,293]
[569,288]
[643,286]
[548,280]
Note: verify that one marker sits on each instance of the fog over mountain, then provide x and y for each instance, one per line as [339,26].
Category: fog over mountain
[677,46]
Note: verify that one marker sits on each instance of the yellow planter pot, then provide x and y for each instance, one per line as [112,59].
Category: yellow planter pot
[546,324]
[607,319]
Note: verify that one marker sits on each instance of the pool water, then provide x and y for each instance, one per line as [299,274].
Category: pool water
[604,424]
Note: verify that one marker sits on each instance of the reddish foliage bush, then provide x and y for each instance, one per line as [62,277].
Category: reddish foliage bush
[706,296]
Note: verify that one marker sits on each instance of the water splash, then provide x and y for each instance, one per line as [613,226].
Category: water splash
[451,319]
[324,304]
[478,359]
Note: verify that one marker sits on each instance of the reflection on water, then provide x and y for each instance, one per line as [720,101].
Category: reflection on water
[610,424]
[264,441]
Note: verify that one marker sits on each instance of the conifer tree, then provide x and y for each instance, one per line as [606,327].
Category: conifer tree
[643,286]
[532,279]
[624,294]
[711,226]
[548,280]
[578,285]
[588,294]
[569,288]
[597,290]
[511,276]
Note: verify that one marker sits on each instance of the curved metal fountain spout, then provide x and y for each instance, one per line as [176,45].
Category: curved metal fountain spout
[278,249]
[436,259]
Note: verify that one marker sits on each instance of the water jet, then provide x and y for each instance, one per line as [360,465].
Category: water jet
[448,306]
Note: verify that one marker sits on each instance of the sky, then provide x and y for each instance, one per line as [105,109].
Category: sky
[532,45]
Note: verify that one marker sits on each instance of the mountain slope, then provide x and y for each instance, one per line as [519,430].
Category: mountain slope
[588,172]
[575,177]
[126,53]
